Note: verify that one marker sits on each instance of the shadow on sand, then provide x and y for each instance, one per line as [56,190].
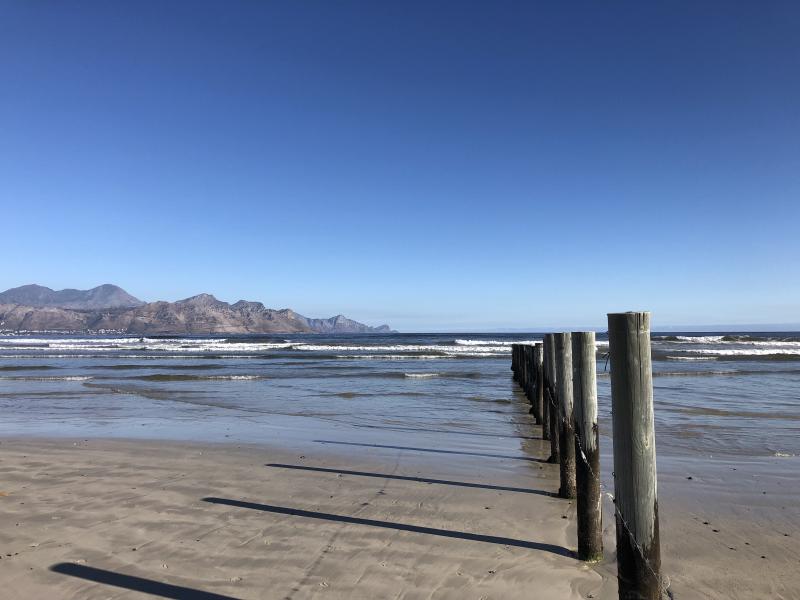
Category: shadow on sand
[466,484]
[137,584]
[461,535]
[506,456]
[449,431]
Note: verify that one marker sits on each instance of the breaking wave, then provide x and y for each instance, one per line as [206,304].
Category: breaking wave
[182,377]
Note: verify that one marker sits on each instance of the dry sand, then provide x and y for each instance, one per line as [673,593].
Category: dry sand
[101,519]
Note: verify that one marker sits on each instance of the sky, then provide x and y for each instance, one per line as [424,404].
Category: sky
[430,165]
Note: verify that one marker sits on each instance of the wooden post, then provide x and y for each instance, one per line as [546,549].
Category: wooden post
[514,359]
[531,378]
[635,498]
[516,362]
[566,431]
[524,367]
[538,388]
[587,447]
[550,395]
[529,374]
[545,396]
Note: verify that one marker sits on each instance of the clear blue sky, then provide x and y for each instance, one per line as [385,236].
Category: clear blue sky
[431,165]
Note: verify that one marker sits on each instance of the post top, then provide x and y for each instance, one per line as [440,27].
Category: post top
[629,320]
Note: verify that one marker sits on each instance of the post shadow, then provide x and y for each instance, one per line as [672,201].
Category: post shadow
[466,484]
[137,584]
[485,455]
[450,431]
[461,535]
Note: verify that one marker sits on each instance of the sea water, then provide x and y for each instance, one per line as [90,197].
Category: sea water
[724,394]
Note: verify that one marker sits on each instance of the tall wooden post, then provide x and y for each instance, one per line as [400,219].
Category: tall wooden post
[526,369]
[528,358]
[529,390]
[545,397]
[550,395]
[638,548]
[514,359]
[587,446]
[538,389]
[566,431]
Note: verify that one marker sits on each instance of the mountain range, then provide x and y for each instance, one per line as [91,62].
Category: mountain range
[109,307]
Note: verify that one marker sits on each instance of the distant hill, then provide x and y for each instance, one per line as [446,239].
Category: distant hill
[102,296]
[108,307]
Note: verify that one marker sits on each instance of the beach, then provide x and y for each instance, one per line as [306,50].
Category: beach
[163,512]
[361,469]
[256,522]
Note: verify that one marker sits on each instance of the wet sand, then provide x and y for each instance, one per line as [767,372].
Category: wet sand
[215,519]
[730,527]
[114,518]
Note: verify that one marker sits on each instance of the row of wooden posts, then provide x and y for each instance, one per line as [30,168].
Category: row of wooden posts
[559,378]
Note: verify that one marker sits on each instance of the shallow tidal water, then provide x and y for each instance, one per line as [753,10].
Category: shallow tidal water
[724,395]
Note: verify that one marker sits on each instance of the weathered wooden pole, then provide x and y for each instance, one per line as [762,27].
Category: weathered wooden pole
[524,352]
[550,395]
[538,389]
[514,359]
[587,447]
[635,498]
[529,390]
[566,431]
[545,396]
[524,367]
[528,357]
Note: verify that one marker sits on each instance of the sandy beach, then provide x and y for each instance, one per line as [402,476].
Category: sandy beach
[123,519]
[167,513]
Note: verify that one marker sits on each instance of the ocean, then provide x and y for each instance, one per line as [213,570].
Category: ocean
[722,394]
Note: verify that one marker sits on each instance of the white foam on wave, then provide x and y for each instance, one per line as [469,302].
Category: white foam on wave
[765,343]
[505,343]
[691,358]
[719,340]
[745,351]
[234,377]
[420,375]
[494,342]
[396,356]
[456,350]
[177,345]
[132,347]
[144,347]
